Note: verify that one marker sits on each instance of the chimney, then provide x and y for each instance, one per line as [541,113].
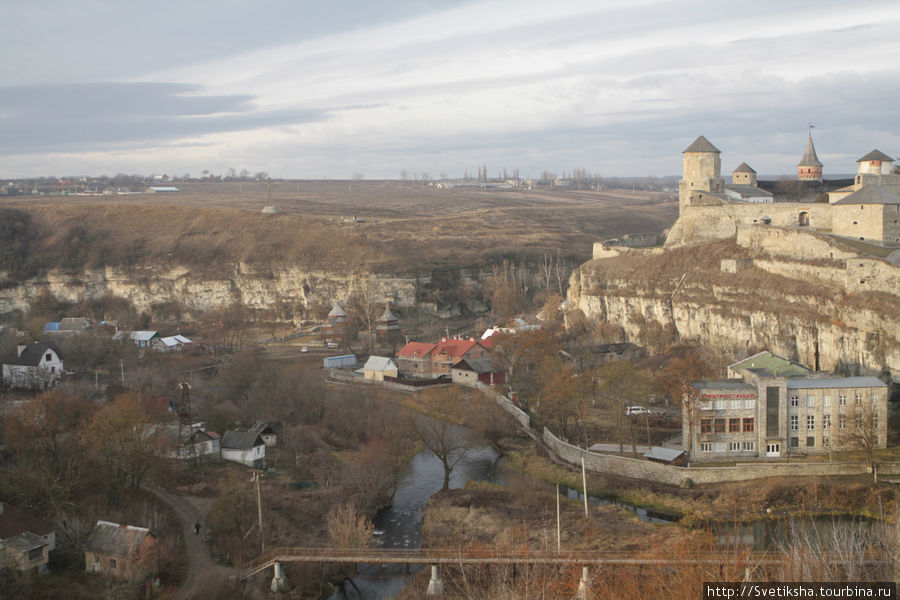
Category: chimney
[20,349]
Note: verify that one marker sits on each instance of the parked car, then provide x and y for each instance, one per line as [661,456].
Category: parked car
[636,410]
[304,349]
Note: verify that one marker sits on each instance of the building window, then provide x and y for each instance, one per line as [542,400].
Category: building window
[795,442]
[734,404]
[749,446]
[826,401]
[705,425]
[795,400]
[705,447]
[48,357]
[810,441]
[842,400]
[874,420]
[705,405]
[97,558]
[112,563]
[826,421]
[810,402]
[734,425]
[719,425]
[795,422]
[734,446]
[810,422]
[36,553]
[719,404]
[825,441]
[719,446]
[748,425]
[858,398]
[749,403]
[842,421]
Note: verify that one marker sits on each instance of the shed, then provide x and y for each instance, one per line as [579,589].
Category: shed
[336,362]
[469,370]
[666,456]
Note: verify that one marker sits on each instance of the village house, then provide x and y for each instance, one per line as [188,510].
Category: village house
[188,441]
[268,432]
[377,367]
[25,542]
[37,366]
[778,408]
[141,339]
[423,360]
[471,370]
[66,328]
[172,343]
[414,359]
[122,551]
[243,447]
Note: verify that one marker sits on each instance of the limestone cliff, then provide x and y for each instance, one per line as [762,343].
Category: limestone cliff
[743,298]
[256,288]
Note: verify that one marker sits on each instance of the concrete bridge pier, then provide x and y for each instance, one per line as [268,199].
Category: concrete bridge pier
[280,582]
[583,585]
[435,585]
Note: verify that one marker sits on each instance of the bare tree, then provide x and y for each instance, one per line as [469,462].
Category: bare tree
[448,442]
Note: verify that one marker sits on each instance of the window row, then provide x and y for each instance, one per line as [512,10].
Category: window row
[730,446]
[735,425]
[826,400]
[746,403]
[869,421]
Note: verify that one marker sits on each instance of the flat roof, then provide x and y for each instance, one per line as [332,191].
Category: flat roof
[834,382]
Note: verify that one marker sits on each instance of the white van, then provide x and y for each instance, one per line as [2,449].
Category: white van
[636,410]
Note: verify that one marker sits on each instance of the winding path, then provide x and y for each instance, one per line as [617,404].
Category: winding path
[202,570]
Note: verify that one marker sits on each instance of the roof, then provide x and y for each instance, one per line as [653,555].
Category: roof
[744,168]
[479,365]
[175,340]
[138,336]
[701,144]
[26,541]
[379,363]
[747,190]
[770,363]
[260,428]
[456,347]
[388,315]
[665,454]
[116,540]
[809,155]
[241,440]
[834,382]
[52,326]
[33,354]
[14,521]
[337,311]
[725,385]
[875,155]
[870,194]
[162,188]
[416,349]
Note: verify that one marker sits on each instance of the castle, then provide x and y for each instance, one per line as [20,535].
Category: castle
[709,209]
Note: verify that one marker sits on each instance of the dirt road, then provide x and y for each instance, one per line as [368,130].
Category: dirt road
[202,570]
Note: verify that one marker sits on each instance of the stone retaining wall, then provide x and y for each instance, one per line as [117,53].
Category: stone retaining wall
[636,468]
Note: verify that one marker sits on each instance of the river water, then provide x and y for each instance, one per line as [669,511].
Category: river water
[400,525]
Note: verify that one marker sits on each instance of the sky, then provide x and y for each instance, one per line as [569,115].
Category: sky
[303,89]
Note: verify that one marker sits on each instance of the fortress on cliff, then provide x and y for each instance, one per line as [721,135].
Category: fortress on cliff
[709,209]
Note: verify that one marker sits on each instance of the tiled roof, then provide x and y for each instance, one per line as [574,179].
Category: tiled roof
[416,349]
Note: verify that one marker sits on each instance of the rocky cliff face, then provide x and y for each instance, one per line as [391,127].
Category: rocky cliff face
[742,310]
[256,288]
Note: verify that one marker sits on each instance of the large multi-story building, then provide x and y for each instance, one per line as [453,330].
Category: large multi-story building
[765,414]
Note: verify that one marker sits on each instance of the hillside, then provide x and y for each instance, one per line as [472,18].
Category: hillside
[741,299]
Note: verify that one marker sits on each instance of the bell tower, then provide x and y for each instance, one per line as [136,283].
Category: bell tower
[810,167]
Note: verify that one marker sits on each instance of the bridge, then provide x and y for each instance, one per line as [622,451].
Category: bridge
[441,556]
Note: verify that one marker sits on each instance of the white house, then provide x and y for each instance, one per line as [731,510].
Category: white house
[171,343]
[244,447]
[37,366]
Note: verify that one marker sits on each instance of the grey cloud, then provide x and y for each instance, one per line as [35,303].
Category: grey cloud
[91,116]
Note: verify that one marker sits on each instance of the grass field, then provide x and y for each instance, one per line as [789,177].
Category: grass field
[396,225]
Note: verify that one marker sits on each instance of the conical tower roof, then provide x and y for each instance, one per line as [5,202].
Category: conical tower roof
[744,168]
[701,144]
[337,311]
[809,156]
[388,315]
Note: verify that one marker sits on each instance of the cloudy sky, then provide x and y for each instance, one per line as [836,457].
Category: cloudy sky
[330,89]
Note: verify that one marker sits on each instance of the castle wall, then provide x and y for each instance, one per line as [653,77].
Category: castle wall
[871,222]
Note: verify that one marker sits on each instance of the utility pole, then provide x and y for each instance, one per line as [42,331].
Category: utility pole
[262,542]
[558,530]
[584,483]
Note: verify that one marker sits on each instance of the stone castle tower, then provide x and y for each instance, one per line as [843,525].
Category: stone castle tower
[702,171]
[810,168]
[744,175]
